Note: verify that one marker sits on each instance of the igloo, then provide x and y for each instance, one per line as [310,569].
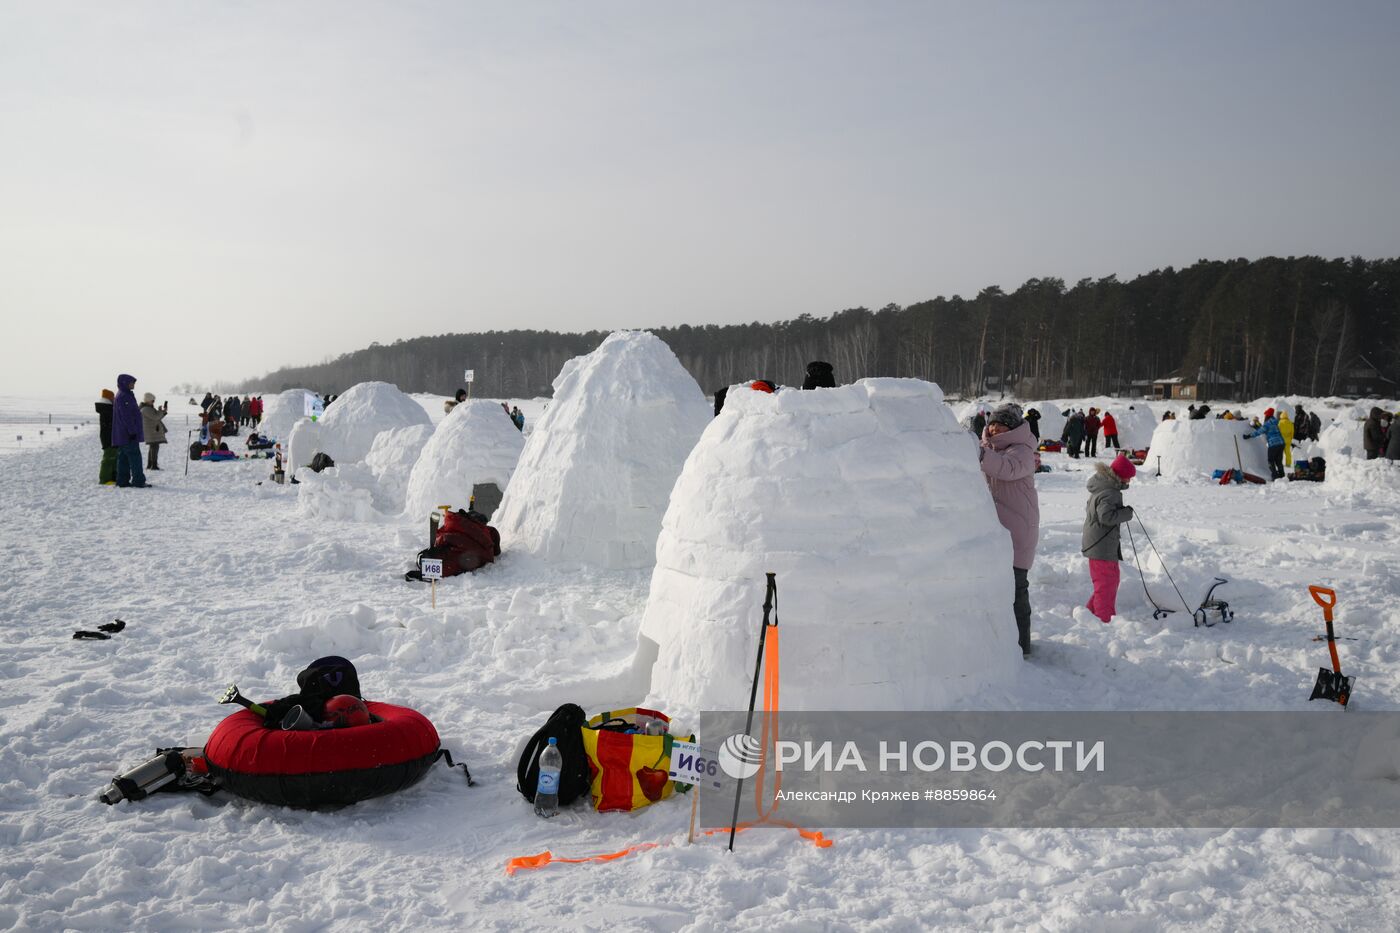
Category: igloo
[894,575]
[596,472]
[354,419]
[303,443]
[1052,419]
[474,445]
[283,410]
[1135,426]
[391,459]
[1199,448]
[1344,437]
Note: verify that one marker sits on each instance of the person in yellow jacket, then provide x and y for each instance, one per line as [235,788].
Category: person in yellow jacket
[1285,427]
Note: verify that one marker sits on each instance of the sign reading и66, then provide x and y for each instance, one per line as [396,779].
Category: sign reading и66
[691,764]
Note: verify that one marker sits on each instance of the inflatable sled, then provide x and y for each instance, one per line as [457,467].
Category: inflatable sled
[322,767]
[218,455]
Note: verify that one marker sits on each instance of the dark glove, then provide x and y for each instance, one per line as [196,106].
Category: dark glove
[278,709]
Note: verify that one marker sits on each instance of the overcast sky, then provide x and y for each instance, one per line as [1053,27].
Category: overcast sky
[204,191]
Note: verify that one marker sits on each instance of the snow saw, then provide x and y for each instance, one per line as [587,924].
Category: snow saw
[1331,685]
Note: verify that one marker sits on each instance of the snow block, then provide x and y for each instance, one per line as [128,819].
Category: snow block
[475,443]
[392,458]
[283,410]
[1198,448]
[597,470]
[894,575]
[355,418]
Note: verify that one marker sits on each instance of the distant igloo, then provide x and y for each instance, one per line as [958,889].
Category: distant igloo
[597,470]
[391,459]
[1136,423]
[1052,421]
[1185,448]
[475,445]
[283,410]
[355,418]
[894,575]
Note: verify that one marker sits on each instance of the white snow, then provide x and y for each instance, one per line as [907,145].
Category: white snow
[867,502]
[1052,419]
[303,443]
[1135,424]
[392,458]
[1192,449]
[220,580]
[283,410]
[597,470]
[352,422]
[476,443]
[1342,438]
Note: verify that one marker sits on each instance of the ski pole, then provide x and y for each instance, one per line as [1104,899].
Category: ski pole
[769,594]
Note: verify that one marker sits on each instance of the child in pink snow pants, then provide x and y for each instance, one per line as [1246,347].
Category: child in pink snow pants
[1104,514]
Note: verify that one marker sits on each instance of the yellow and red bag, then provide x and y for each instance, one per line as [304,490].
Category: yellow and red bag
[629,770]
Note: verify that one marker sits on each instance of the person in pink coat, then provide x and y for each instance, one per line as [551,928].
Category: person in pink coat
[1009,461]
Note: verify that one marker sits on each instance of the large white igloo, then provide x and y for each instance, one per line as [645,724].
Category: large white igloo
[1186,448]
[894,576]
[352,422]
[476,443]
[282,411]
[1136,424]
[597,469]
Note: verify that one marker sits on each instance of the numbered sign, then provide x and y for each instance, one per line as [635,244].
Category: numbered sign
[691,764]
[432,569]
[314,408]
[470,375]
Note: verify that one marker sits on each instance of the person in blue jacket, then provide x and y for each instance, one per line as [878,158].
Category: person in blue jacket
[128,434]
[1274,436]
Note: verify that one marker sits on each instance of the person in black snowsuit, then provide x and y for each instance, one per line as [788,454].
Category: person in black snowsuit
[1033,419]
[233,410]
[820,375]
[720,394]
[208,400]
[1373,433]
[1200,413]
[979,423]
[1074,434]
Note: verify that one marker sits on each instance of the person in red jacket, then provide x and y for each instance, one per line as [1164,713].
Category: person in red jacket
[1110,432]
[1091,433]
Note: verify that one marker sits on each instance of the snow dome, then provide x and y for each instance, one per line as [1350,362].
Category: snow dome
[1199,448]
[391,459]
[1135,425]
[283,410]
[303,442]
[1344,437]
[894,575]
[1052,419]
[596,472]
[354,419]
[476,443]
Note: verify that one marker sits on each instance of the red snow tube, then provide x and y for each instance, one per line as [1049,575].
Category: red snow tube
[322,767]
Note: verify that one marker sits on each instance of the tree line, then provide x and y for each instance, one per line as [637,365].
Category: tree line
[1272,325]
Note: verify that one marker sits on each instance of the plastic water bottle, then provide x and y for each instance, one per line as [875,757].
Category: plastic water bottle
[547,789]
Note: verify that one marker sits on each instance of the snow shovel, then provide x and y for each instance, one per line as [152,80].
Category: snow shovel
[1331,685]
[231,695]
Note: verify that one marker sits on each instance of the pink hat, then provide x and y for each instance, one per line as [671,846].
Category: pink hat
[1123,467]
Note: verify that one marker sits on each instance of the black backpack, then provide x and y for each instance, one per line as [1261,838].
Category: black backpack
[196,450]
[565,725]
[321,462]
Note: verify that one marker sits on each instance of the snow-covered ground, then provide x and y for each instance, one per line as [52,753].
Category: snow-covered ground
[220,579]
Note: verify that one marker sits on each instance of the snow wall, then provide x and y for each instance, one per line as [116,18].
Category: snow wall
[391,459]
[597,470]
[303,441]
[1135,426]
[1052,422]
[354,419]
[894,576]
[283,410]
[476,443]
[1199,448]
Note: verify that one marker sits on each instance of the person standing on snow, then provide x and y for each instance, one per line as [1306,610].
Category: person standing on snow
[1074,433]
[1285,430]
[517,417]
[153,424]
[1009,461]
[1033,419]
[1392,446]
[1373,434]
[127,434]
[107,472]
[1091,433]
[1104,515]
[1271,432]
[1110,432]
